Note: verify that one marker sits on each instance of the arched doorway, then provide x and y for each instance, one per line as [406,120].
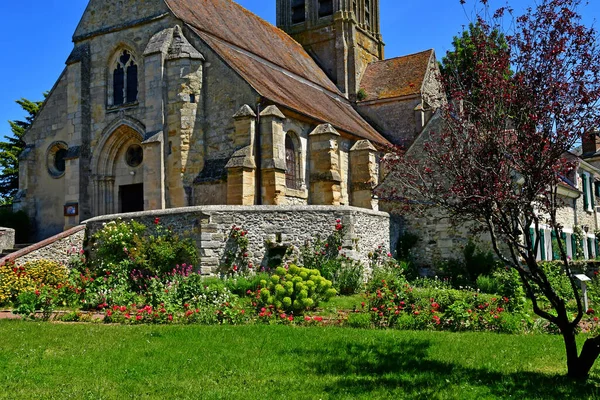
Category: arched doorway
[118,172]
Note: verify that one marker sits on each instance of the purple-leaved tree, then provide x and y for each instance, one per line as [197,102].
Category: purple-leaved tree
[526,97]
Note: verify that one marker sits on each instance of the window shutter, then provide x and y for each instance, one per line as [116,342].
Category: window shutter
[555,250]
[543,244]
[590,252]
[532,237]
[597,187]
[586,201]
[573,246]
[597,247]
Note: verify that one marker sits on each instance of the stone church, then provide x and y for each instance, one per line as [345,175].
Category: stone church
[174,103]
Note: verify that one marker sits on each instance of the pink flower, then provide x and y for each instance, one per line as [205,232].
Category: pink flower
[170,317]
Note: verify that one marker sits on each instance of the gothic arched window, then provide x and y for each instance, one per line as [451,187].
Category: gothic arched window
[124,79]
[292,178]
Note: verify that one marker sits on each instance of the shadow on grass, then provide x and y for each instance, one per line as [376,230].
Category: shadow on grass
[405,366]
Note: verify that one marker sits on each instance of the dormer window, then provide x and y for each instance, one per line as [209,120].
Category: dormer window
[125,80]
[298,11]
[325,8]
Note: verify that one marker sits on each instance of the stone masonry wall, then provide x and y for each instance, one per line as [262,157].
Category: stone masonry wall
[56,248]
[7,238]
[267,226]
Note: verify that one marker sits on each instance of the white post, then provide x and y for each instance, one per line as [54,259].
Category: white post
[585,298]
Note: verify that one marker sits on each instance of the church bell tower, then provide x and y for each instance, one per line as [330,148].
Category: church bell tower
[343,36]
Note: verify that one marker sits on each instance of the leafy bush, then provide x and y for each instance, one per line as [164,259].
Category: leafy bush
[131,245]
[359,320]
[391,273]
[475,263]
[405,307]
[488,284]
[558,279]
[406,242]
[42,300]
[28,277]
[241,285]
[349,279]
[295,290]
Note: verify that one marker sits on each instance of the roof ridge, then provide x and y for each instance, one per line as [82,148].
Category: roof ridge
[404,56]
[337,96]
[282,34]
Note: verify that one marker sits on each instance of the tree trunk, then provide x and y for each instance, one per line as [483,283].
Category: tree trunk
[587,358]
[579,366]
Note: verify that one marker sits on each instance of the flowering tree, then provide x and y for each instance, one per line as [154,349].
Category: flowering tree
[498,157]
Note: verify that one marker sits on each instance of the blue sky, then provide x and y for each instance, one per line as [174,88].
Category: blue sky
[37,36]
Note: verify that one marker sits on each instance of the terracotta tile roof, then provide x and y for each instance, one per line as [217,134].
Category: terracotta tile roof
[396,77]
[274,64]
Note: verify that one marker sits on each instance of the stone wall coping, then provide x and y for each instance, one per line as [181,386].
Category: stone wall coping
[242,209]
[42,244]
[2,229]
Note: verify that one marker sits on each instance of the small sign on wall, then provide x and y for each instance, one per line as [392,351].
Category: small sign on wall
[71,209]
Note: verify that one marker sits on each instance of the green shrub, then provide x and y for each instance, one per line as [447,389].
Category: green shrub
[349,279]
[28,277]
[475,262]
[359,320]
[241,285]
[488,284]
[131,245]
[42,299]
[295,290]
[406,242]
[558,279]
[405,307]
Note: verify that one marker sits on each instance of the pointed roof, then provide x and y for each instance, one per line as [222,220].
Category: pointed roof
[396,77]
[273,63]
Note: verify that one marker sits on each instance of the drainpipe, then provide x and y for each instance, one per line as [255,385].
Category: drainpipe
[258,156]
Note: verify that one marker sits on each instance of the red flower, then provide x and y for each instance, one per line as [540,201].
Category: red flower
[291,318]
[156,221]
[307,319]
[123,308]
[139,318]
[170,317]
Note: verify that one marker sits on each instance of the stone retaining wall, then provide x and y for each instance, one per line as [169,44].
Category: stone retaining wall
[7,238]
[55,248]
[267,226]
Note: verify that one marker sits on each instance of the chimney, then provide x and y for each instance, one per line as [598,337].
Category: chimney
[591,142]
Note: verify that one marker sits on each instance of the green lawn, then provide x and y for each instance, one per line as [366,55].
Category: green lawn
[86,361]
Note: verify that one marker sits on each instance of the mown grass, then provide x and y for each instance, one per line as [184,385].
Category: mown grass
[87,361]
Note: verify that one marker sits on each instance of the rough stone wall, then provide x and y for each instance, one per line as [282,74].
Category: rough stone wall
[224,93]
[43,192]
[394,119]
[7,238]
[280,226]
[103,14]
[51,249]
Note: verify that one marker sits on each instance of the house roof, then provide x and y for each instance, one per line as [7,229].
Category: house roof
[274,64]
[396,77]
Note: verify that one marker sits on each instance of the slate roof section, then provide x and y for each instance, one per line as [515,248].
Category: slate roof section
[274,64]
[396,77]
